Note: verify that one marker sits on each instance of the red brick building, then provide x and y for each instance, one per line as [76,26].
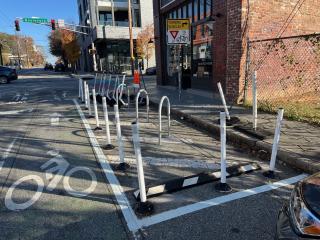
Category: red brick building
[220,31]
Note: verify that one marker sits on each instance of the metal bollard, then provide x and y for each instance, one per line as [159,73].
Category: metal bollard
[143,207]
[82,91]
[137,104]
[79,89]
[96,111]
[85,95]
[122,165]
[223,186]
[223,101]
[270,172]
[160,116]
[108,146]
[88,101]
[254,101]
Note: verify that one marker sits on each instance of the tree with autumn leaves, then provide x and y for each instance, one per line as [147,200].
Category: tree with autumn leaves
[145,43]
[64,44]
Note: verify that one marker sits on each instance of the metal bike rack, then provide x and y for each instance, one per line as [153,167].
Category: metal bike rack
[160,116]
[137,104]
[119,95]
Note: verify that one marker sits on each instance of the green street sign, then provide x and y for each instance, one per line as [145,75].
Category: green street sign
[35,20]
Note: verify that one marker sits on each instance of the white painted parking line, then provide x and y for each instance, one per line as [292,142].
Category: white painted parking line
[123,202]
[171,214]
[134,223]
[6,153]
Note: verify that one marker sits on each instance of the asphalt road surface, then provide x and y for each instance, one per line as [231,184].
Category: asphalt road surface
[56,182]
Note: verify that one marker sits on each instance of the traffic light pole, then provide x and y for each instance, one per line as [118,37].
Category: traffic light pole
[18,44]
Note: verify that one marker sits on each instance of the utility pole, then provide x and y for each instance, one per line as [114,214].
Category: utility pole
[112,12]
[131,37]
[92,43]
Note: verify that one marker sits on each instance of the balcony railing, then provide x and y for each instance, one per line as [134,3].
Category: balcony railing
[121,1]
[116,23]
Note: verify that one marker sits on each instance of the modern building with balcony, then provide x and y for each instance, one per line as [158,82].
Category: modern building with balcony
[109,22]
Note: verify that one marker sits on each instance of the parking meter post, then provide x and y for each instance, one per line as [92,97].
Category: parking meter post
[98,128]
[122,166]
[254,101]
[223,101]
[223,186]
[108,146]
[270,173]
[143,207]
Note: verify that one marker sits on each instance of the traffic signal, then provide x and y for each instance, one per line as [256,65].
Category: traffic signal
[17,25]
[53,24]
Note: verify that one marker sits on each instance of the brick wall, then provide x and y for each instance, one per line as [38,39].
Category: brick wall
[261,20]
[219,43]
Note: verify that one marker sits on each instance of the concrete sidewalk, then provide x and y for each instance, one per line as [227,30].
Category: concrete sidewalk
[299,145]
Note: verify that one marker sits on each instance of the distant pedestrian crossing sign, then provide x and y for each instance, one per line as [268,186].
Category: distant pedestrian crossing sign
[178,31]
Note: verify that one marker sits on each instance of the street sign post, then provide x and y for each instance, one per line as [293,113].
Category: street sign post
[35,20]
[178,33]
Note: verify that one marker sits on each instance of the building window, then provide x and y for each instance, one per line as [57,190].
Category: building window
[185,11]
[105,18]
[136,18]
[80,13]
[208,7]
[195,11]
[190,10]
[202,9]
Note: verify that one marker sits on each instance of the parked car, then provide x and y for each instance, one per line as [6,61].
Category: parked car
[151,71]
[300,218]
[7,74]
[59,67]
[48,66]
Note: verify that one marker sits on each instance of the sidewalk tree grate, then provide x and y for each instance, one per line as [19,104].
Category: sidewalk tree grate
[195,180]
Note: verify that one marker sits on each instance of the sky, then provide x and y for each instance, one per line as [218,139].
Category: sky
[53,9]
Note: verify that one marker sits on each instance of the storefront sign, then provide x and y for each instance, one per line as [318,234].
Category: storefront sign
[178,31]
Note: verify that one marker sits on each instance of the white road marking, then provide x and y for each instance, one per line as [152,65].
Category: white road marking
[11,205]
[15,112]
[123,202]
[6,153]
[190,181]
[55,118]
[12,103]
[83,193]
[134,223]
[171,214]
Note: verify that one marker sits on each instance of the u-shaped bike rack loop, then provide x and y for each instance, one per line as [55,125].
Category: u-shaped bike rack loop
[160,116]
[137,104]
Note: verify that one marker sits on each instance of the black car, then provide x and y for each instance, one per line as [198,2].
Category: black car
[48,66]
[7,74]
[151,71]
[59,67]
[300,218]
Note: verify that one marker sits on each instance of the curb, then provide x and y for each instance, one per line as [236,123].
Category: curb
[254,146]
